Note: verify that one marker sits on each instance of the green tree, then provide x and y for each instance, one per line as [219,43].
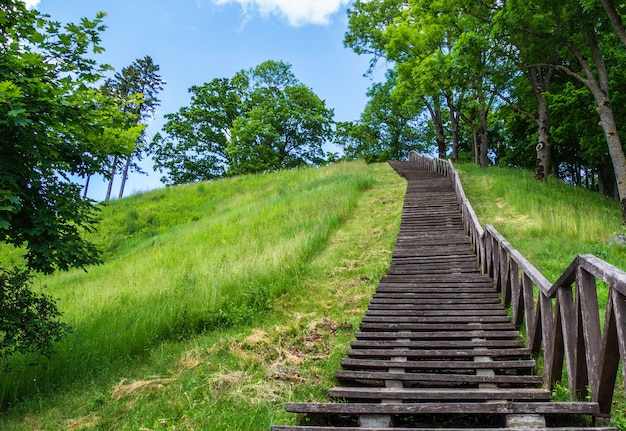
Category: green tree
[55,126]
[285,124]
[261,119]
[388,129]
[138,86]
[194,143]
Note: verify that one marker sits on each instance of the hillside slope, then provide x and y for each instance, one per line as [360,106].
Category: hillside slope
[215,299]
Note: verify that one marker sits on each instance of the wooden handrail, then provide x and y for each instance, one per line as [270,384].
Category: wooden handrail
[562,320]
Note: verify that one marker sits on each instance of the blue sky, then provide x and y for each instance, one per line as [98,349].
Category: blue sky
[194,41]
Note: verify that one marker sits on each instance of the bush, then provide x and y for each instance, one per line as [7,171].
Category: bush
[28,319]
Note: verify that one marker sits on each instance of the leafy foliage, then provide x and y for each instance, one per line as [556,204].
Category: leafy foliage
[28,320]
[475,65]
[388,129]
[261,119]
[55,126]
[136,87]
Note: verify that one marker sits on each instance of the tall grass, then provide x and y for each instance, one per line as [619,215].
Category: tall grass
[549,223]
[235,376]
[185,260]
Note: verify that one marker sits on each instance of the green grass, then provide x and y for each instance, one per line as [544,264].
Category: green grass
[218,303]
[549,223]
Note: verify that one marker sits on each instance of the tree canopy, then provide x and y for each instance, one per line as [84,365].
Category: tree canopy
[495,76]
[55,126]
[260,119]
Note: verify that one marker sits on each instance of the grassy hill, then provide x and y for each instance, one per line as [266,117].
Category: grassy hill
[220,301]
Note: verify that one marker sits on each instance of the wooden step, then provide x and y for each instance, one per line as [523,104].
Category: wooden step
[440,394]
[434,344]
[458,326]
[439,353]
[508,408]
[463,305]
[442,289]
[436,319]
[437,378]
[434,295]
[433,311]
[441,335]
[351,363]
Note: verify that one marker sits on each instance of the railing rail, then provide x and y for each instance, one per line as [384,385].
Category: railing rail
[561,320]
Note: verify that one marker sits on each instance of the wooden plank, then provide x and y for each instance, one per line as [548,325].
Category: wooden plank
[453,353]
[456,307]
[421,394]
[437,288]
[431,301]
[434,296]
[431,311]
[434,344]
[437,319]
[413,335]
[459,326]
[438,378]
[460,365]
[508,408]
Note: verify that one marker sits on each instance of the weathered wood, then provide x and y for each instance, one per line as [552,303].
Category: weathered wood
[432,311]
[461,326]
[421,394]
[440,334]
[442,366]
[563,408]
[434,344]
[434,377]
[437,319]
[452,353]
[485,306]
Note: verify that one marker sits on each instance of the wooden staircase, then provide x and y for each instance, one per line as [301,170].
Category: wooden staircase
[436,349]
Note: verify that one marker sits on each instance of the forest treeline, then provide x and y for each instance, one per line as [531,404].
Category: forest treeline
[533,84]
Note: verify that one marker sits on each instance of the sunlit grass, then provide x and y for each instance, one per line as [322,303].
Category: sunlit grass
[549,223]
[190,264]
[321,272]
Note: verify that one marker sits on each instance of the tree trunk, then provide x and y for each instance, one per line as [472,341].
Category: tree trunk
[484,138]
[86,186]
[475,151]
[615,19]
[455,118]
[435,114]
[542,165]
[125,176]
[454,130]
[440,135]
[616,151]
[110,187]
[540,83]
[601,186]
[600,91]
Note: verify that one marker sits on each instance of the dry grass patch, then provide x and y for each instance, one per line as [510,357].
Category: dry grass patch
[123,389]
[190,359]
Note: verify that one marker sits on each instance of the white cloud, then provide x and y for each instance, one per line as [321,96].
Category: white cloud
[31,3]
[297,12]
